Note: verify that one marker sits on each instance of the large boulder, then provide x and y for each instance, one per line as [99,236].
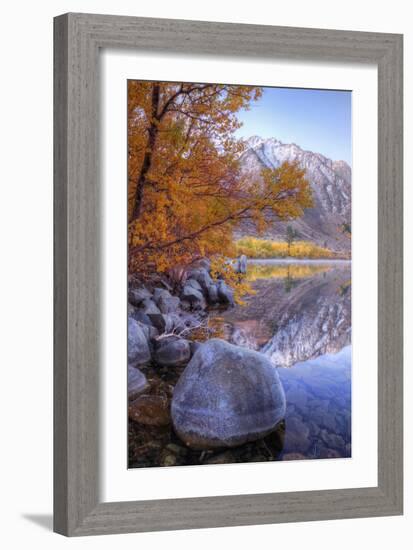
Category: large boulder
[137,383]
[172,351]
[226,396]
[138,346]
[137,295]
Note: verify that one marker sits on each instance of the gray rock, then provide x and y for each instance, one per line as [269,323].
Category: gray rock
[168,304]
[159,321]
[138,295]
[149,306]
[204,263]
[158,292]
[194,297]
[137,383]
[138,347]
[212,294]
[194,284]
[202,276]
[226,396]
[140,316]
[172,352]
[225,293]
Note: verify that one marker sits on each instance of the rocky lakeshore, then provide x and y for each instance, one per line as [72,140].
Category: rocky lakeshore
[214,395]
[194,398]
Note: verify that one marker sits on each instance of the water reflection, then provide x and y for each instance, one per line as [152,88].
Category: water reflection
[298,311]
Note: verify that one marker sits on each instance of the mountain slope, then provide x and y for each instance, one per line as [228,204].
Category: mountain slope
[330,183]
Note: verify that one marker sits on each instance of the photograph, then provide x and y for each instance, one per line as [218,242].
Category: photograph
[239,273]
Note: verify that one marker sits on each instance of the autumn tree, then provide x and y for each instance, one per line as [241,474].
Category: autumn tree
[187,190]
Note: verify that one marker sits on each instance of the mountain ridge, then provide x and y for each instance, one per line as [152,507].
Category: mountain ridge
[330,183]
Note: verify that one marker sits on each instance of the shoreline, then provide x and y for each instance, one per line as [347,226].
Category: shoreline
[298,261]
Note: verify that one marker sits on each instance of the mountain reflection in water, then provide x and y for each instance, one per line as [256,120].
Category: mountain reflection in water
[300,317]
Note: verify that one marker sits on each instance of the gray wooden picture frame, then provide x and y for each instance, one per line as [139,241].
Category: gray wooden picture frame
[78,39]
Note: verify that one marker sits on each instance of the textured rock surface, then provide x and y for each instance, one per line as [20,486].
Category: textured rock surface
[172,352]
[226,396]
[137,383]
[225,293]
[194,297]
[138,346]
[137,295]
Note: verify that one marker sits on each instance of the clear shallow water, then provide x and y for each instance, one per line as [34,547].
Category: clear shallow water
[318,418]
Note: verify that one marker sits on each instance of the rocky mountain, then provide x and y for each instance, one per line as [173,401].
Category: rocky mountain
[331,185]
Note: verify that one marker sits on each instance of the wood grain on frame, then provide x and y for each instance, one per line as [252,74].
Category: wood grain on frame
[77,506]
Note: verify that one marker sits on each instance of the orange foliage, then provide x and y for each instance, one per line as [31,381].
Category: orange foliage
[186,191]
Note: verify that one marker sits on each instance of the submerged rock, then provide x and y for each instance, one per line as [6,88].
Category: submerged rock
[138,347]
[172,352]
[137,383]
[226,396]
[151,410]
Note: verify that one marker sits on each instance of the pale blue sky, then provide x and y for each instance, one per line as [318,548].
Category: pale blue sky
[316,120]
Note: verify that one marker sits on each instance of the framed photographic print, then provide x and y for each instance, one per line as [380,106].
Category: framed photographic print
[228,274]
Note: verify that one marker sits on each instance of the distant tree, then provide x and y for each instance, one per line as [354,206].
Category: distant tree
[290,236]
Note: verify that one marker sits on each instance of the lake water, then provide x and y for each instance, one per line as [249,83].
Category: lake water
[299,315]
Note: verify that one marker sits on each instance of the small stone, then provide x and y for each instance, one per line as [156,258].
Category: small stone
[294,456]
[194,297]
[176,449]
[168,459]
[138,295]
[137,383]
[194,284]
[222,458]
[168,304]
[140,316]
[151,410]
[172,352]
[138,347]
[148,306]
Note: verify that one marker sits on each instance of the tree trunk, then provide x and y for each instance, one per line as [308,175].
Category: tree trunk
[147,159]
